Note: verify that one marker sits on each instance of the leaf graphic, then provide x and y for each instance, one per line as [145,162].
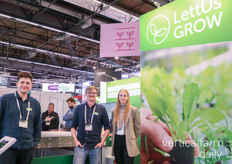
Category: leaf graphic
[153,29]
[118,44]
[162,32]
[132,43]
[130,33]
[121,33]
[118,33]
[128,44]
[121,44]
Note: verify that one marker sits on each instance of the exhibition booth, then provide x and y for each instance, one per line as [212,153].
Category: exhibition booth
[183,94]
[56,146]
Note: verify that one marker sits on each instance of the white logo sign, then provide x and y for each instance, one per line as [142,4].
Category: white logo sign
[158,29]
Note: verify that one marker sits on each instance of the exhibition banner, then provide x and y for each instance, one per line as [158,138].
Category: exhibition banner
[120,39]
[186,22]
[186,62]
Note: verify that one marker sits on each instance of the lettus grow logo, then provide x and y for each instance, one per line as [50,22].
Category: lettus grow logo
[158,29]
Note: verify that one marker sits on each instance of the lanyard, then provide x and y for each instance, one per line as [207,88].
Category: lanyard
[123,126]
[50,114]
[92,115]
[28,111]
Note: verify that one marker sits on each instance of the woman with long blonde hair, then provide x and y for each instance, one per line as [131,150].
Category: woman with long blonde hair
[126,129]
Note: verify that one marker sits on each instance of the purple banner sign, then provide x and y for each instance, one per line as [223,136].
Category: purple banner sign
[53,87]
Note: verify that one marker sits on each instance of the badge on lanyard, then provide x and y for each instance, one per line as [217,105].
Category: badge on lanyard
[88,127]
[120,129]
[23,123]
[95,113]
[29,109]
[48,123]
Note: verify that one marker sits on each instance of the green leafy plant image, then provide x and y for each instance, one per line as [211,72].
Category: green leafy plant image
[184,116]
[189,89]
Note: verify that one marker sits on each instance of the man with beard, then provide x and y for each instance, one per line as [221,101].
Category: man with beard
[68,117]
[89,118]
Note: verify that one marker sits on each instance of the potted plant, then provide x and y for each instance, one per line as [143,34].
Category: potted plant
[183,117]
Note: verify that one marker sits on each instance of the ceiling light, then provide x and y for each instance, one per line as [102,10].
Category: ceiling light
[116,57]
[85,24]
[31,54]
[157,4]
[104,73]
[39,50]
[100,73]
[107,10]
[118,69]
[31,62]
[49,28]
[114,78]
[101,6]
[62,37]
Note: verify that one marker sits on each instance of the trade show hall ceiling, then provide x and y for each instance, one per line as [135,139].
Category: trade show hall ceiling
[60,39]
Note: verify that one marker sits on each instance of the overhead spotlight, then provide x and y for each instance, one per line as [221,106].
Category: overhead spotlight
[94,67]
[137,66]
[31,54]
[62,36]
[157,4]
[85,24]
[114,78]
[100,73]
[118,69]
[101,6]
[104,73]
[116,57]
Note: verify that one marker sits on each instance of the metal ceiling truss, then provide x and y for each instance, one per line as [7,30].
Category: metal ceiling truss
[40,33]
[57,47]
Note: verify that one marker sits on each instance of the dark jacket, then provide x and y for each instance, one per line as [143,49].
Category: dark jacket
[54,124]
[100,118]
[9,121]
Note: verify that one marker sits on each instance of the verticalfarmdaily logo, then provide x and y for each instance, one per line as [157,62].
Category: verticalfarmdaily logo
[196,19]
[158,29]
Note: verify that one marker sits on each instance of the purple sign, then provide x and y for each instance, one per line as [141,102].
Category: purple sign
[53,87]
[120,39]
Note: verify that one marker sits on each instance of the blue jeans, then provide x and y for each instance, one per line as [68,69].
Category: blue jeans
[80,155]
